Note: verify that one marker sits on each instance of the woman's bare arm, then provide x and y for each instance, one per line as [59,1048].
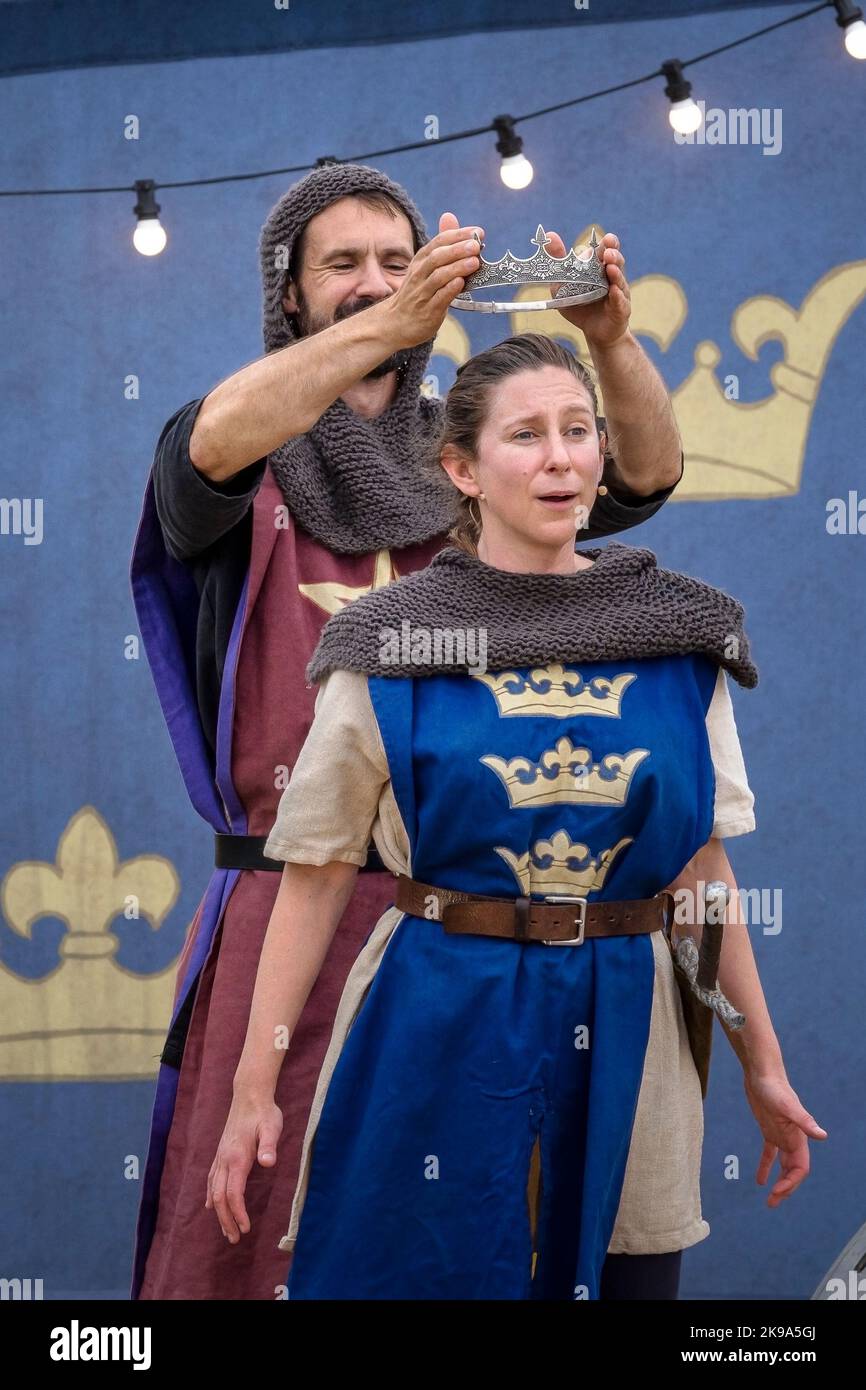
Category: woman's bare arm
[309,904]
[785,1124]
[755,1044]
[308,907]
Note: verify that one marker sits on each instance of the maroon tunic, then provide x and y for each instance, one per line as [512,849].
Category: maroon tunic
[270,715]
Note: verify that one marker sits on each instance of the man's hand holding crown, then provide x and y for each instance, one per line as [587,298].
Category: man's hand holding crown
[606,321]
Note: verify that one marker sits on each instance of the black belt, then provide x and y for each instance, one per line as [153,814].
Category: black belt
[247,852]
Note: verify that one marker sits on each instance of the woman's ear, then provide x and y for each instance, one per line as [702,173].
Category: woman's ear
[460,469]
[602,450]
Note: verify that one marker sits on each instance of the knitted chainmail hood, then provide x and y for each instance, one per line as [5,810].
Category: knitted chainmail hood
[356,485]
[621,608]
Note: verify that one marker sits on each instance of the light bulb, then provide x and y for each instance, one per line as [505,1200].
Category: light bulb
[516,171]
[149,237]
[855,38]
[685,116]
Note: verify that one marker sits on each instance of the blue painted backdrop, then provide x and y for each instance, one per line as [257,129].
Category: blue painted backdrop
[84,311]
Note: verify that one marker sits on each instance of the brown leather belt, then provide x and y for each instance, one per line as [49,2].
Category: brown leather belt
[560,920]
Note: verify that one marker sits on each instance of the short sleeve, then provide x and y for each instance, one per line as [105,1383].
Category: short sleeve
[327,811]
[194,512]
[621,508]
[734,805]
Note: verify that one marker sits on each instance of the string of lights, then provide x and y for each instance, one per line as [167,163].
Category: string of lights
[685,115]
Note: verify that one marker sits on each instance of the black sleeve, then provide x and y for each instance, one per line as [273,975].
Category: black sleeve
[194,512]
[622,508]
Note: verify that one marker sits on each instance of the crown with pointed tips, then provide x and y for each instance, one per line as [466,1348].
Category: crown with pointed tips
[559,865]
[556,690]
[581,278]
[567,774]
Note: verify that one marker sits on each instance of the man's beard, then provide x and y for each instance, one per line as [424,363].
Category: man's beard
[307,323]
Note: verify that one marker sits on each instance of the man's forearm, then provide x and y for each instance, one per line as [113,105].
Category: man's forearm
[642,433]
[283,394]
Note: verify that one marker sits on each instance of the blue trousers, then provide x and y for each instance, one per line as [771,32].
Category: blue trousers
[641,1276]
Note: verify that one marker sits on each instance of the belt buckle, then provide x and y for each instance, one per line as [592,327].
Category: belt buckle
[580,920]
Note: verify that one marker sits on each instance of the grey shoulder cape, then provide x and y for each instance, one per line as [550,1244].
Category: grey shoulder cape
[623,607]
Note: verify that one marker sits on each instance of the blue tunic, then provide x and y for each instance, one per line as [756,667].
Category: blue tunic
[593,780]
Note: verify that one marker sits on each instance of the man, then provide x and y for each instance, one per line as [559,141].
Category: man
[285,492]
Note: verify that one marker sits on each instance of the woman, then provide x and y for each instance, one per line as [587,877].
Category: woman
[529,732]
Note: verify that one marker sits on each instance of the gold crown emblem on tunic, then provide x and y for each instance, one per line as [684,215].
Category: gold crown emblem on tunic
[559,865]
[567,774]
[556,690]
[579,276]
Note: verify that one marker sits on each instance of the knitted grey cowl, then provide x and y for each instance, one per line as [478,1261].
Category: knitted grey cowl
[356,485]
[621,608]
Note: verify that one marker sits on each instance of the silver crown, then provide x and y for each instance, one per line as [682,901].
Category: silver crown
[580,280]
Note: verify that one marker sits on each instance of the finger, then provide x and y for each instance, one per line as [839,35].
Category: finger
[555,246]
[810,1126]
[456,255]
[228,1225]
[268,1139]
[778,1195]
[444,274]
[765,1162]
[608,243]
[794,1164]
[220,1205]
[444,297]
[235,1193]
[787,1184]
[619,302]
[449,235]
[465,245]
[447,222]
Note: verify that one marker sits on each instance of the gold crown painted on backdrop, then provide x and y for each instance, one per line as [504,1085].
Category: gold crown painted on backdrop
[580,276]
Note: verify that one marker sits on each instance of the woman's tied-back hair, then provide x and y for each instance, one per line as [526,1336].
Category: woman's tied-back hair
[468,402]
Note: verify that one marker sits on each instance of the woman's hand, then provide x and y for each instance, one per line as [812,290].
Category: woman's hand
[252,1131]
[786,1127]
